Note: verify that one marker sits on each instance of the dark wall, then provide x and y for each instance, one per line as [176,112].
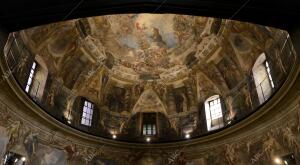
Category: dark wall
[295,37]
[17,15]
[3,38]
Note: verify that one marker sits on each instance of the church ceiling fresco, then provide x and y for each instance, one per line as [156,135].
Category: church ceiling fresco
[130,64]
[149,46]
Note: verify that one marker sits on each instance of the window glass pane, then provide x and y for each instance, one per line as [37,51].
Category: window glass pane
[27,88]
[88,110]
[30,77]
[87,113]
[215,109]
[33,65]
[29,81]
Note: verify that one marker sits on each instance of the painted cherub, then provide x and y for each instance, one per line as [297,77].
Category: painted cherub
[31,142]
[291,139]
[71,151]
[13,131]
[269,145]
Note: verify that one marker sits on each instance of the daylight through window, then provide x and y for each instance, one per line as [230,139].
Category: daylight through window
[30,78]
[149,129]
[269,73]
[213,111]
[87,113]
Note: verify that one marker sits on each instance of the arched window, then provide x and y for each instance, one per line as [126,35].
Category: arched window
[87,113]
[37,79]
[213,113]
[262,77]
[32,73]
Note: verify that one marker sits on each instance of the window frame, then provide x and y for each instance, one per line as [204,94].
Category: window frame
[262,77]
[30,78]
[87,113]
[214,104]
[149,127]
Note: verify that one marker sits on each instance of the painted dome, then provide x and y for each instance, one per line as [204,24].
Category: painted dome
[167,77]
